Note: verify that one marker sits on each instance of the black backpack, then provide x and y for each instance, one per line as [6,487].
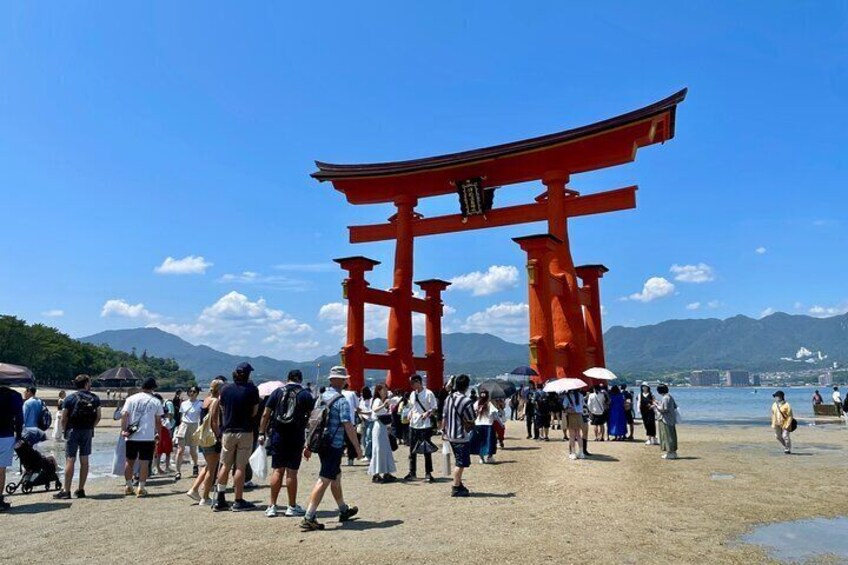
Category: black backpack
[84,413]
[45,418]
[284,412]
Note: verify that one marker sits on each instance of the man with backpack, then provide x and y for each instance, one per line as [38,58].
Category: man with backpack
[80,415]
[422,407]
[329,423]
[37,417]
[284,421]
[457,424]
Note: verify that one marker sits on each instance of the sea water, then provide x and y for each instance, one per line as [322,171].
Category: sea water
[802,540]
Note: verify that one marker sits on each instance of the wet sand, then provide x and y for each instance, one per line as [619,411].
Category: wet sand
[625,505]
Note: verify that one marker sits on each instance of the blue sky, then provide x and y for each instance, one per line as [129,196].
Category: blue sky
[189,131]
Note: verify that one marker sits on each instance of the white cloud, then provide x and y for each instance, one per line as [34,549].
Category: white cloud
[713,304]
[241,326]
[760,250]
[55,313]
[265,281]
[190,265]
[828,311]
[508,320]
[767,312]
[699,273]
[604,310]
[122,309]
[654,287]
[693,306]
[495,279]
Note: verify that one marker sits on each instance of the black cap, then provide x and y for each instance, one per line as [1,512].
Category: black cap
[777,394]
[149,384]
[244,368]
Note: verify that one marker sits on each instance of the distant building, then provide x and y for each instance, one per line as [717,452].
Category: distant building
[755,380]
[705,378]
[737,378]
[826,379]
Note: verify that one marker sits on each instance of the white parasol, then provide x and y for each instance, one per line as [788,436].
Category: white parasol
[600,373]
[564,385]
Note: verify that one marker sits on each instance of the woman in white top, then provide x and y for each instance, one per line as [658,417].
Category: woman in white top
[382,463]
[58,431]
[364,412]
[190,410]
[485,442]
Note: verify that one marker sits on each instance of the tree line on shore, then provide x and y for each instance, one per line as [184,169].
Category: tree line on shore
[55,357]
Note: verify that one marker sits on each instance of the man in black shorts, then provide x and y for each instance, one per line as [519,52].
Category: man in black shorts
[141,418]
[284,421]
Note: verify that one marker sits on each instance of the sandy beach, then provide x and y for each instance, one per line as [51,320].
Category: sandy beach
[624,505]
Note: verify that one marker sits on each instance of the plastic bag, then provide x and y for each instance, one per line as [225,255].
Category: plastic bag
[259,463]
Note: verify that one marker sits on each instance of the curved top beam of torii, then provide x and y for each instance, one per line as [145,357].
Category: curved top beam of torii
[602,144]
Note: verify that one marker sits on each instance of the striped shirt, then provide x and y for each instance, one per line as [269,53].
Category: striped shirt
[458,409]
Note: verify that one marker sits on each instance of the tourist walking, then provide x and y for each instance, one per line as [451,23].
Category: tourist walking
[587,417]
[11,429]
[80,415]
[189,421]
[364,412]
[544,404]
[140,422]
[457,422]
[617,426]
[58,430]
[572,406]
[649,418]
[382,463]
[513,406]
[422,409]
[238,406]
[530,411]
[339,425]
[484,442]
[666,411]
[597,410]
[782,421]
[282,431]
[837,401]
[209,415]
[165,444]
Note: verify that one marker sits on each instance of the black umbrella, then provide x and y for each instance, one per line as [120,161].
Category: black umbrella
[525,371]
[15,375]
[498,388]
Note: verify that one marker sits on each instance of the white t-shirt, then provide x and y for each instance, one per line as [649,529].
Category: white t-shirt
[191,411]
[365,406]
[416,412]
[143,409]
[352,400]
[487,419]
[596,403]
[837,397]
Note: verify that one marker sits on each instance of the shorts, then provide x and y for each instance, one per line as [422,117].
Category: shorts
[212,449]
[629,416]
[286,456]
[331,462]
[574,421]
[598,419]
[142,450]
[7,450]
[185,433]
[236,448]
[78,441]
[461,454]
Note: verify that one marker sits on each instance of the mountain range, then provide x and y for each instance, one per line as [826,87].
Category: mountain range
[766,344]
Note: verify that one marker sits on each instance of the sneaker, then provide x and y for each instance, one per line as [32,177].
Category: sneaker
[482,461]
[376,479]
[128,490]
[79,493]
[787,452]
[664,456]
[581,455]
[410,477]
[310,525]
[294,511]
[242,505]
[389,478]
[366,460]
[428,478]
[271,511]
[220,505]
[194,495]
[140,492]
[572,456]
[348,513]
[62,495]
[459,492]
[205,502]
[649,442]
[250,485]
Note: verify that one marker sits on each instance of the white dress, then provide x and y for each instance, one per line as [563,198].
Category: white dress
[382,460]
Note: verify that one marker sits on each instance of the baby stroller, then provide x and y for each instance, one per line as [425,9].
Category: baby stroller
[39,470]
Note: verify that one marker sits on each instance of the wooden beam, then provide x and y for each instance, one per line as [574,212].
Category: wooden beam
[609,201]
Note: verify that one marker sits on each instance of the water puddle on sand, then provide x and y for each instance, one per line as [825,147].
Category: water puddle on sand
[803,540]
[722,476]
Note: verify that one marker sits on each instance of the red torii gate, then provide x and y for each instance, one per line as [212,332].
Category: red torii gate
[566,333]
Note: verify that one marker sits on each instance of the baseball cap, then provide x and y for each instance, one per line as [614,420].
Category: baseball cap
[244,367]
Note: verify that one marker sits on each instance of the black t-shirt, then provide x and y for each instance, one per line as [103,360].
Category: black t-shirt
[11,412]
[304,403]
[237,403]
[71,403]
